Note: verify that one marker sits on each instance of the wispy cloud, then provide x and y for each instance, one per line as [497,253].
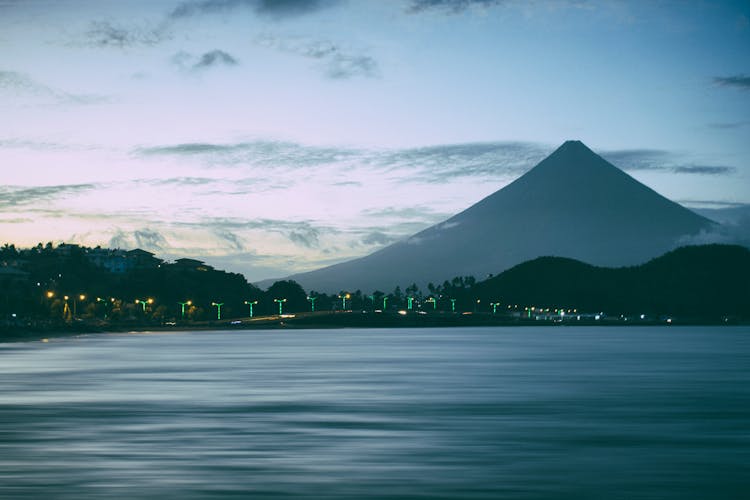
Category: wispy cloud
[305,236]
[268,153]
[145,238]
[451,6]
[401,212]
[178,181]
[659,160]
[704,169]
[150,239]
[234,241]
[430,165]
[734,232]
[344,66]
[11,81]
[444,163]
[211,59]
[43,146]
[377,238]
[335,62]
[13,196]
[19,85]
[276,9]
[107,34]
[741,82]
[215,58]
[15,220]
[302,233]
[399,222]
[702,205]
[729,125]
[637,159]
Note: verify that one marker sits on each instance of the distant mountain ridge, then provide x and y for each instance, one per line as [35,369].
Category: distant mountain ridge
[572,204]
[694,281]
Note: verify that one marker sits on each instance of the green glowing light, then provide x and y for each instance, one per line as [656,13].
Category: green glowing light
[434,302]
[251,304]
[312,303]
[183,304]
[218,309]
[143,302]
[453,305]
[494,306]
[410,302]
[105,305]
[280,302]
[343,300]
[385,302]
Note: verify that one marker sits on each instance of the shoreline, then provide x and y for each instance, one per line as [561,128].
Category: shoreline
[347,319]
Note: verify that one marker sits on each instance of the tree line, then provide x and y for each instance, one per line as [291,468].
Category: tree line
[68,286]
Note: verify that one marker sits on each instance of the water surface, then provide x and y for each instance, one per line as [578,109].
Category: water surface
[518,413]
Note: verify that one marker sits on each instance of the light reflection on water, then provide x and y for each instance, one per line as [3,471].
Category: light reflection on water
[452,413]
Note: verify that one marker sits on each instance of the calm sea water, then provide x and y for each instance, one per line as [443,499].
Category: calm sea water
[427,413]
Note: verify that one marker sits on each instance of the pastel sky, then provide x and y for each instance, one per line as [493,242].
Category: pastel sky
[270,137]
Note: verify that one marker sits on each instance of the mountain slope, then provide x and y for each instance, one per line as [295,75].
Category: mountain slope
[692,281]
[572,204]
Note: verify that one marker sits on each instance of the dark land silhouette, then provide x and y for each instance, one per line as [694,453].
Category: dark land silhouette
[64,290]
[694,281]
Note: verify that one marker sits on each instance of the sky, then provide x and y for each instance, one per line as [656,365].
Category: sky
[270,137]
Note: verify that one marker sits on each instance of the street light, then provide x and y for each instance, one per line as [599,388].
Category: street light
[106,303]
[49,294]
[280,302]
[434,302]
[82,297]
[385,303]
[66,309]
[343,300]
[494,307]
[312,303]
[251,304]
[410,301]
[183,304]
[143,303]
[453,305]
[218,309]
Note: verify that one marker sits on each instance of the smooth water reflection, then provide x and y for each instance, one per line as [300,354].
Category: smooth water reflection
[425,413]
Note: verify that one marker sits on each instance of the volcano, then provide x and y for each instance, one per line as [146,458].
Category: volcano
[572,204]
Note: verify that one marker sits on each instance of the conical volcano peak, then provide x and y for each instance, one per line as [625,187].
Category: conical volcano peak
[573,204]
[573,143]
[574,147]
[574,158]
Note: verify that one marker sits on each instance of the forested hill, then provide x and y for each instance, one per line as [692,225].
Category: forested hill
[694,281]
